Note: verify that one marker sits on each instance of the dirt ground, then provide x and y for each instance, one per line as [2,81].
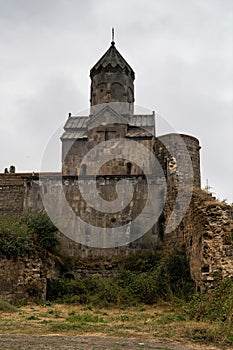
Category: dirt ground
[28,342]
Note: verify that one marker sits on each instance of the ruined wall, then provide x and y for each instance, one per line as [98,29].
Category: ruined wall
[210,241]
[206,234]
[22,278]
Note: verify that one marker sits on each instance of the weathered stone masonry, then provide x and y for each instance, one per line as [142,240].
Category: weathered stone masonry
[24,278]
[205,230]
[11,193]
[206,234]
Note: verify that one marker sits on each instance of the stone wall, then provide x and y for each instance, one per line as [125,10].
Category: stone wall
[205,231]
[74,152]
[111,87]
[210,241]
[62,195]
[185,149]
[24,278]
[11,193]
[206,234]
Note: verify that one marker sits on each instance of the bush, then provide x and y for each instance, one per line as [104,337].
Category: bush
[20,234]
[7,307]
[15,237]
[162,281]
[111,293]
[216,305]
[177,274]
[139,262]
[92,289]
[43,228]
[60,288]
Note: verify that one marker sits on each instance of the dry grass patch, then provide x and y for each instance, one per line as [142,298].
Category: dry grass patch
[148,322]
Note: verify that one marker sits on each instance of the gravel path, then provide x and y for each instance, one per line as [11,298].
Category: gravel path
[25,342]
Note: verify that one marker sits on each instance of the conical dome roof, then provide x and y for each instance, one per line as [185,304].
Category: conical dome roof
[112,58]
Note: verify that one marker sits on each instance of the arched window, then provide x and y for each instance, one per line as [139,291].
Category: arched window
[83,171]
[101,93]
[128,168]
[117,92]
[130,95]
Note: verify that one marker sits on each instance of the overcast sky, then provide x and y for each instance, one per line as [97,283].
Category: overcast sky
[180,50]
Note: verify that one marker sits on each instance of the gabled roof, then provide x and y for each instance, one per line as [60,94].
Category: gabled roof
[76,127]
[142,120]
[106,115]
[74,135]
[76,123]
[112,58]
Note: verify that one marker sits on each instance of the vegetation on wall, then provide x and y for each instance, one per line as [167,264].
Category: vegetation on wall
[155,282]
[135,290]
[20,235]
[139,280]
[143,280]
[216,305]
[16,239]
[45,233]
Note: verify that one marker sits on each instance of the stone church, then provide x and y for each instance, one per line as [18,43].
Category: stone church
[112,116]
[112,128]
[129,189]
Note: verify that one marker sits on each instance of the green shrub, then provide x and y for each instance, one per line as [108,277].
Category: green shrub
[62,287]
[111,293]
[216,305]
[177,274]
[15,237]
[7,307]
[90,289]
[162,281]
[139,262]
[44,230]
[20,234]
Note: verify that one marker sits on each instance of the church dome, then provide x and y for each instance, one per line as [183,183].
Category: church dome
[112,79]
[112,58]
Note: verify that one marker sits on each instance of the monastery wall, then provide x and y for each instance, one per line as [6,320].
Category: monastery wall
[24,278]
[11,193]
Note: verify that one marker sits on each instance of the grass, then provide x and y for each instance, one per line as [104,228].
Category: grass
[7,307]
[164,320]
